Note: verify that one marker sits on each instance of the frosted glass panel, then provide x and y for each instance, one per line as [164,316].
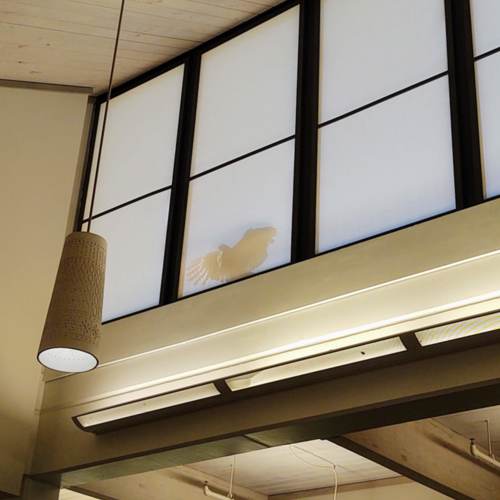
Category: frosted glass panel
[371,48]
[136,243]
[485,25]
[385,167]
[247,92]
[239,220]
[139,143]
[488,85]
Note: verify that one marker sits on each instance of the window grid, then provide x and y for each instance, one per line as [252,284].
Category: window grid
[463,112]
[486,53]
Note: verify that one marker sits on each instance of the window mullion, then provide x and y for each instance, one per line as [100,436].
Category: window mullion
[463,99]
[180,181]
[87,169]
[306,144]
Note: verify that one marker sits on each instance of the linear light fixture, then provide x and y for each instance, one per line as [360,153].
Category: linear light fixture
[458,330]
[317,363]
[121,414]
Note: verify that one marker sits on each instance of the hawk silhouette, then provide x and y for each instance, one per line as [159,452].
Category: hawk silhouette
[230,263]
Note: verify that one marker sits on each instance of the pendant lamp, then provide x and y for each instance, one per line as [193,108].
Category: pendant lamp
[72,331]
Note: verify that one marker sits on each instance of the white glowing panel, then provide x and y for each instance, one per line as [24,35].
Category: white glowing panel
[148,405]
[311,365]
[67,360]
[239,220]
[488,84]
[372,48]
[453,331]
[139,142]
[485,25]
[136,242]
[247,92]
[386,167]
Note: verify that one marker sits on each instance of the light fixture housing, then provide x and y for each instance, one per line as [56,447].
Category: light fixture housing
[459,329]
[144,410]
[72,329]
[314,364]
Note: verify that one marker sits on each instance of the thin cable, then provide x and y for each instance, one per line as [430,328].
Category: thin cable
[331,466]
[336,479]
[490,447]
[108,97]
[233,466]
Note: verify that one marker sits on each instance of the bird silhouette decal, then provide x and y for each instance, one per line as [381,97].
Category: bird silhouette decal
[230,263]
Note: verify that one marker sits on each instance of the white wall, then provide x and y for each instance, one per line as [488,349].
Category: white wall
[386,489]
[40,137]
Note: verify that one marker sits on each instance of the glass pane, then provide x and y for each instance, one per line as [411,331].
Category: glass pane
[239,220]
[136,242]
[247,92]
[370,49]
[139,142]
[488,83]
[386,167]
[485,24]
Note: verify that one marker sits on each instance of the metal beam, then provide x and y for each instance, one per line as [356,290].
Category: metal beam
[429,453]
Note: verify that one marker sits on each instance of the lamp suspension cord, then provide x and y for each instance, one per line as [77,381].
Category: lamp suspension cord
[330,466]
[233,466]
[108,97]
[488,435]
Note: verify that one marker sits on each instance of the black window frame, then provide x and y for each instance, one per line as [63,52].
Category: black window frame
[464,125]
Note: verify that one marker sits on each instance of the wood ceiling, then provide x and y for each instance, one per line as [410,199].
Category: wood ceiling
[471,424]
[70,42]
[285,469]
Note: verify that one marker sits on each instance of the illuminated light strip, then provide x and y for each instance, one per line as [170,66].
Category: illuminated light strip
[318,363]
[148,405]
[458,330]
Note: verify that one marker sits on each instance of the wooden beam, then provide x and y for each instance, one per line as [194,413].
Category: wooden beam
[45,86]
[429,453]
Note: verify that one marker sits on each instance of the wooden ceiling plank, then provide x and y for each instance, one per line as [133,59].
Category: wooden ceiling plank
[106,32]
[193,29]
[43,41]
[183,8]
[252,7]
[430,453]
[14,38]
[75,75]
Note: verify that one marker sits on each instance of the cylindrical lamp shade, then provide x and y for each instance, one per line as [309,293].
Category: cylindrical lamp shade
[73,326]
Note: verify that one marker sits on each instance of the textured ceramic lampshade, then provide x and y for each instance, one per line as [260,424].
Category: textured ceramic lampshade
[72,329]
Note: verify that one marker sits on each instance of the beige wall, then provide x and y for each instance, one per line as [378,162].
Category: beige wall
[385,489]
[40,137]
